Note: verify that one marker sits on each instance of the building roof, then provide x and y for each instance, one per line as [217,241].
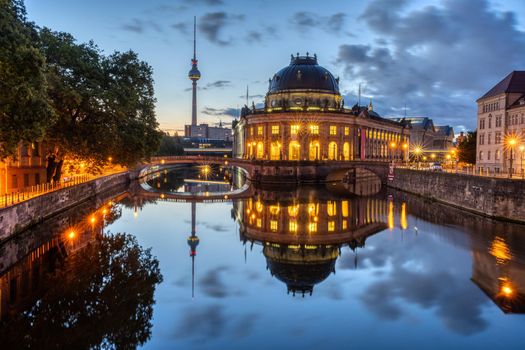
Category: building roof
[445,130]
[304,73]
[514,82]
[417,122]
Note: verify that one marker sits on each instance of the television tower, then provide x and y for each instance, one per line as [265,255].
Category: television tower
[193,242]
[194,75]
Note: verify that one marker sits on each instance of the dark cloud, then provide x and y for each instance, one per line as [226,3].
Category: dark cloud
[212,285]
[181,27]
[205,2]
[212,24]
[436,59]
[304,21]
[204,323]
[140,26]
[230,112]
[218,84]
[251,96]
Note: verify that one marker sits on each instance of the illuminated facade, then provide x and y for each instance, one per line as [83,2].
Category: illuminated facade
[27,169]
[304,118]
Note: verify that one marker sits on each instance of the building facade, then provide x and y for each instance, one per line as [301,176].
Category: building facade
[304,118]
[27,169]
[501,126]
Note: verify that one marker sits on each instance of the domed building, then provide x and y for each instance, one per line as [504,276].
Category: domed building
[304,118]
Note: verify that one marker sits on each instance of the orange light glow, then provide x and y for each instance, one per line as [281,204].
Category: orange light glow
[71,235]
[92,219]
[507,291]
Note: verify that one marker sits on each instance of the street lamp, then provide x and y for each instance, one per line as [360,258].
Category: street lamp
[511,142]
[393,146]
[405,152]
[417,152]
[522,148]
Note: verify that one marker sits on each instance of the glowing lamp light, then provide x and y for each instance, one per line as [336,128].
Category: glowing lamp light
[507,291]
[92,219]
[162,161]
[71,234]
[405,145]
[424,158]
[104,211]
[433,155]
[522,148]
[110,159]
[393,145]
[512,142]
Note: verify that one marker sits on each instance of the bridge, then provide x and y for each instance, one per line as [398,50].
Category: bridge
[277,171]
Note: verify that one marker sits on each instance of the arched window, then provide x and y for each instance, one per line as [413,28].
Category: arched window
[294,150]
[346,151]
[332,151]
[275,151]
[315,150]
[260,150]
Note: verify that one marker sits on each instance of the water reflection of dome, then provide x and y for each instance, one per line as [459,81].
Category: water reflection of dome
[300,268]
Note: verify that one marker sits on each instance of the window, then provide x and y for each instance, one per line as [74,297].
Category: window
[482,123]
[497,154]
[482,139]
[314,129]
[488,155]
[481,155]
[274,225]
[259,130]
[259,222]
[489,139]
[498,122]
[251,131]
[490,121]
[333,130]
[292,226]
[345,224]
[331,208]
[275,129]
[294,129]
[347,130]
[312,227]
[331,226]
[497,138]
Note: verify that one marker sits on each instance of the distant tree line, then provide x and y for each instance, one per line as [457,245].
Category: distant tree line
[91,105]
[170,146]
[467,148]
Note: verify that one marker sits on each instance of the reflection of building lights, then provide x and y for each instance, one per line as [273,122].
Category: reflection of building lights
[71,234]
[391,215]
[403,219]
[500,250]
[162,195]
[135,214]
[92,219]
[104,211]
[507,291]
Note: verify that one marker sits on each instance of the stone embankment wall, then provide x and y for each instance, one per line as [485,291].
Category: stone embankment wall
[496,198]
[25,214]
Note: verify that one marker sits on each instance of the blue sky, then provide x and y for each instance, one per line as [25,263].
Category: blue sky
[435,56]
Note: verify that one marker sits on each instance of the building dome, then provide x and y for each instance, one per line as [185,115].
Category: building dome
[304,73]
[304,84]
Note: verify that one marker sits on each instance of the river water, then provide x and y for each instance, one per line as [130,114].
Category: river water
[293,268]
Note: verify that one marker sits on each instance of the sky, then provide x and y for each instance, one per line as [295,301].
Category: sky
[436,57]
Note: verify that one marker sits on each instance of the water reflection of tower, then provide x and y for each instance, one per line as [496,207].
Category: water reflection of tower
[193,242]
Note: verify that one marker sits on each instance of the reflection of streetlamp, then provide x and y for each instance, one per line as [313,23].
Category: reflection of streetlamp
[511,143]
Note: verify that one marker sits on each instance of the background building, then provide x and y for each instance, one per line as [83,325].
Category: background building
[501,125]
[304,118]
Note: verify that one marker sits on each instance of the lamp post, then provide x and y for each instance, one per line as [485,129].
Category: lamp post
[522,148]
[511,142]
[393,146]
[405,152]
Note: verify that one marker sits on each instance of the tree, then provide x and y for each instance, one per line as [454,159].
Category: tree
[467,148]
[100,297]
[25,110]
[170,146]
[105,104]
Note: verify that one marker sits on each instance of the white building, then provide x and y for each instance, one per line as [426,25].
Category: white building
[501,126]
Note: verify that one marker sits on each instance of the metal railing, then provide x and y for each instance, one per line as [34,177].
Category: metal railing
[29,192]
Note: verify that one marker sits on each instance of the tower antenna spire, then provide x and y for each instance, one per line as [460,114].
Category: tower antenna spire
[194,37]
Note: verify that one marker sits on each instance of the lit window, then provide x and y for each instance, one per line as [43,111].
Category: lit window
[259,130]
[275,129]
[333,130]
[312,227]
[344,208]
[331,226]
[274,225]
[331,208]
[292,226]
[259,222]
[314,129]
[347,131]
[251,131]
[294,129]
[345,224]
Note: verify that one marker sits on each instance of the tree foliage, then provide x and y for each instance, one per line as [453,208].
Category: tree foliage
[170,146]
[98,298]
[93,106]
[25,112]
[105,104]
[467,148]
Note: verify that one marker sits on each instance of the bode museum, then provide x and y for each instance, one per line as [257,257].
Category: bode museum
[304,118]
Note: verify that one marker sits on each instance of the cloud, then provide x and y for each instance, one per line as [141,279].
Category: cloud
[181,27]
[211,322]
[230,112]
[140,26]
[212,284]
[305,21]
[205,2]
[436,59]
[212,25]
[251,96]
[218,84]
